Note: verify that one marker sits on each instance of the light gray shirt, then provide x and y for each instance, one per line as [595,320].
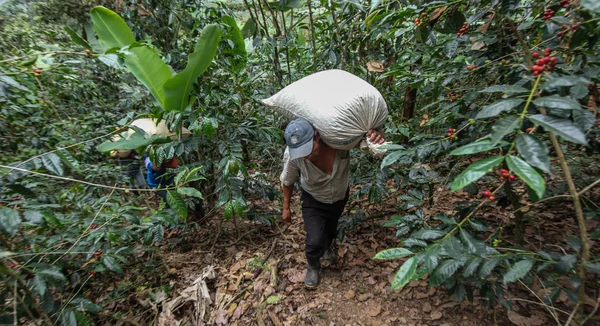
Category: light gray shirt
[326,188]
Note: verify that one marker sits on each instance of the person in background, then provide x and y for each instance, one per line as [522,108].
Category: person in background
[324,180]
[156,175]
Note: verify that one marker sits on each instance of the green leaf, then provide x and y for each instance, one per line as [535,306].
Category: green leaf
[149,69]
[92,37]
[191,192]
[496,108]
[564,81]
[374,4]
[562,127]
[67,318]
[250,28]
[503,127]
[508,89]
[518,271]
[524,171]
[393,253]
[34,217]
[29,62]
[478,146]
[560,20]
[428,234]
[474,245]
[392,157]
[228,210]
[488,266]
[534,151]
[405,274]
[76,38]
[584,119]
[12,82]
[112,30]
[83,304]
[453,247]
[446,270]
[579,91]
[9,220]
[450,49]
[39,285]
[431,257]
[177,204]
[135,141]
[591,5]
[476,171]
[272,299]
[112,264]
[557,102]
[594,267]
[53,164]
[239,47]
[471,266]
[178,88]
[51,273]
[566,263]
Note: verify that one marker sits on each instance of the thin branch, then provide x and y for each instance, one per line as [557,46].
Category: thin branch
[81,181]
[42,53]
[595,183]
[85,232]
[542,301]
[62,148]
[573,313]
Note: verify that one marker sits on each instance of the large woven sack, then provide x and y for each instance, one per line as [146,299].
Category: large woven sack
[150,127]
[341,106]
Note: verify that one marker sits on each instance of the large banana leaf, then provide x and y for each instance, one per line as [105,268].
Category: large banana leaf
[147,66]
[177,89]
[112,30]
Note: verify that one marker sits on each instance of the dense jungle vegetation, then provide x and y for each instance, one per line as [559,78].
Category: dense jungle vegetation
[489,193]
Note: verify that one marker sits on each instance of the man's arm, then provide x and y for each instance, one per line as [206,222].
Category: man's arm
[288,177]
[287,197]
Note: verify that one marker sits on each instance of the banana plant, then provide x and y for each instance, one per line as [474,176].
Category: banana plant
[171,91]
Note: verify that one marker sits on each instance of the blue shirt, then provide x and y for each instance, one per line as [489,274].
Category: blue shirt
[155,178]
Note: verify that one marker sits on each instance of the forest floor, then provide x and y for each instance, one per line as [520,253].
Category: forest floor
[354,291]
[252,274]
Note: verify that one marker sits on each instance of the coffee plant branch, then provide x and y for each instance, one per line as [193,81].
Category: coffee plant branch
[83,182]
[62,148]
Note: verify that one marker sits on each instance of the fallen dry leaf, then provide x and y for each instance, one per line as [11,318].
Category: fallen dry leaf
[435,14]
[436,315]
[426,307]
[374,309]
[349,295]
[375,66]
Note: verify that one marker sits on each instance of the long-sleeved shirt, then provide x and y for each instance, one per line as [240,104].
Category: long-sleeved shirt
[326,188]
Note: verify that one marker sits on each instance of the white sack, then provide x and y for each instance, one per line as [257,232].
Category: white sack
[341,106]
[149,126]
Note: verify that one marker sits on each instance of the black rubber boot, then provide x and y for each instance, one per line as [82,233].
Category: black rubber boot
[311,280]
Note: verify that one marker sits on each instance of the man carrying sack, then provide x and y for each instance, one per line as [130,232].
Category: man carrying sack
[324,177]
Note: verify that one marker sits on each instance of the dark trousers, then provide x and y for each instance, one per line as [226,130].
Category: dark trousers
[320,224]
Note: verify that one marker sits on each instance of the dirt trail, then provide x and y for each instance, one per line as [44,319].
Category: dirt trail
[356,291]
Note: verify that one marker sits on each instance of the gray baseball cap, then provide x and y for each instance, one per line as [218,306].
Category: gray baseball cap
[299,138]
